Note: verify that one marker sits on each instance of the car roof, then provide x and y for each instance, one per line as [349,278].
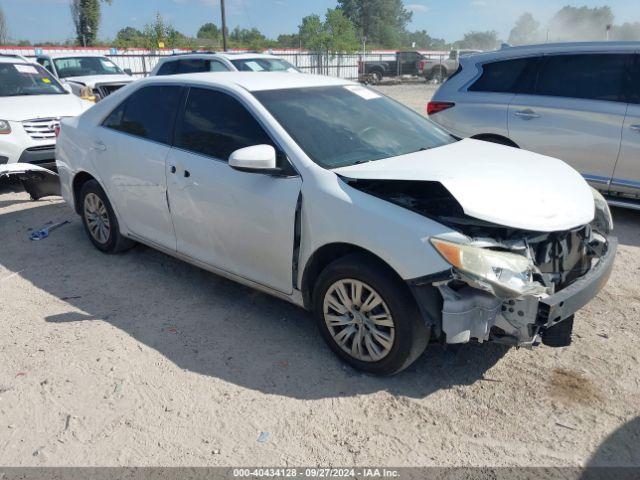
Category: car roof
[568,47]
[70,55]
[252,81]
[226,55]
[9,58]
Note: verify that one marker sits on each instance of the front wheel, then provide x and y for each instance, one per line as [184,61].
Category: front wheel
[367,316]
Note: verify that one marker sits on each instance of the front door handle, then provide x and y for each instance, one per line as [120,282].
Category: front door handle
[99,146]
[172,169]
[187,174]
[635,127]
[527,114]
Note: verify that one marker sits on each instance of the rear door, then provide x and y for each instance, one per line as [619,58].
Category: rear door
[129,152]
[575,112]
[626,177]
[239,222]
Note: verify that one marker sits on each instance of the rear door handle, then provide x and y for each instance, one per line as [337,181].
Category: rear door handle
[172,169]
[635,127]
[526,114]
[99,146]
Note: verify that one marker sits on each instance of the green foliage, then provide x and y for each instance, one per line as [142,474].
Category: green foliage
[159,31]
[526,31]
[479,41]
[335,34]
[86,18]
[252,39]
[129,37]
[423,41]
[626,31]
[209,31]
[382,22]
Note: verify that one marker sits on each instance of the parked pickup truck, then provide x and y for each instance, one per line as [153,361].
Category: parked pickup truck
[405,63]
[440,69]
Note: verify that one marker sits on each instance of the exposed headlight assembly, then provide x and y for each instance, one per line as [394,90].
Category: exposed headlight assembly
[5,127]
[505,274]
[603,221]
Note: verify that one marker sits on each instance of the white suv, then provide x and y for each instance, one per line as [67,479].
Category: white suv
[579,102]
[32,102]
[329,195]
[221,62]
[95,74]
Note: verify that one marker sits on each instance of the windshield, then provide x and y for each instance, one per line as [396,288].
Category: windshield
[84,66]
[344,125]
[27,79]
[263,65]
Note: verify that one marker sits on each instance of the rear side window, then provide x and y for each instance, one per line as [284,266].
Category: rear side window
[167,68]
[507,76]
[216,124]
[148,113]
[587,76]
[634,82]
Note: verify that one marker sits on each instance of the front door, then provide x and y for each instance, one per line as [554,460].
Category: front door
[575,113]
[130,152]
[626,178]
[239,222]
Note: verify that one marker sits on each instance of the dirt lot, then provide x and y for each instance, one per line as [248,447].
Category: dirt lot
[140,359]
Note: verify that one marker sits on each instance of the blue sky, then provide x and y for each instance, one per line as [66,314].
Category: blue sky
[40,20]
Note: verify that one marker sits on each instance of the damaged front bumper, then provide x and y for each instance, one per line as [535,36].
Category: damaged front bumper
[39,182]
[470,313]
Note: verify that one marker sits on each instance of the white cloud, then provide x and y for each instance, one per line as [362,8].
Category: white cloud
[417,7]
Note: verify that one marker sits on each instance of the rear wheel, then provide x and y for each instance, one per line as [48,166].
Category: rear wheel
[376,76]
[100,221]
[367,316]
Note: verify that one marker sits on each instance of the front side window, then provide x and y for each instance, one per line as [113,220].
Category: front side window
[506,76]
[587,76]
[263,65]
[343,125]
[83,66]
[148,113]
[21,79]
[216,124]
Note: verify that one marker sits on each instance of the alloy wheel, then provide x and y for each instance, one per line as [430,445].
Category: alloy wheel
[97,218]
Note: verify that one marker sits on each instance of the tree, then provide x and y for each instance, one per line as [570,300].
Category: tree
[335,34]
[160,32]
[4,34]
[129,37]
[526,31]
[86,18]
[209,31]
[382,22]
[626,31]
[583,23]
[479,41]
[423,41]
[288,40]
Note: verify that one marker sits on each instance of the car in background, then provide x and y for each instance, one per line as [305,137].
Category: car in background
[579,102]
[404,63]
[32,102]
[439,69]
[88,75]
[327,194]
[220,62]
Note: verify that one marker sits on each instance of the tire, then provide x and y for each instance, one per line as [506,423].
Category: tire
[401,334]
[376,76]
[439,74]
[100,221]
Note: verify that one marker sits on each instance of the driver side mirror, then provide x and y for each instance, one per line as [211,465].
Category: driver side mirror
[128,71]
[255,159]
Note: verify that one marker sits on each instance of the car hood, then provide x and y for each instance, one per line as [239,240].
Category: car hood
[502,185]
[93,80]
[28,107]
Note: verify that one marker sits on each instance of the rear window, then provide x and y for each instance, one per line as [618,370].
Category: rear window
[192,65]
[148,113]
[507,76]
[587,76]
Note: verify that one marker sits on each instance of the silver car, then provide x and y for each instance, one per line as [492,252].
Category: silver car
[579,102]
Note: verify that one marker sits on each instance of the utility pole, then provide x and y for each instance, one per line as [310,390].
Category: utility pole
[224,26]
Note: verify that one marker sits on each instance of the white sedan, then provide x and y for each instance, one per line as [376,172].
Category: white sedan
[329,195]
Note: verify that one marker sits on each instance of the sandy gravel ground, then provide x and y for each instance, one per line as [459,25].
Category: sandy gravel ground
[140,359]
